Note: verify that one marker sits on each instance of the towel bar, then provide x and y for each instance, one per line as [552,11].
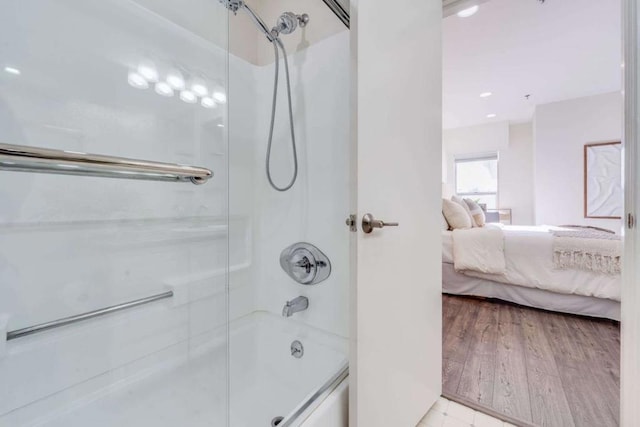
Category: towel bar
[18,333]
[21,158]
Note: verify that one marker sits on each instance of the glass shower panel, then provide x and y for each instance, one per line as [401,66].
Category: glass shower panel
[113,292]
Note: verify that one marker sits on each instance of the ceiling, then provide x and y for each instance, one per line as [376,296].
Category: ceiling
[558,50]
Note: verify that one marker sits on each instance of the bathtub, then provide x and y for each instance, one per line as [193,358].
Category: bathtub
[333,411]
[186,383]
[274,383]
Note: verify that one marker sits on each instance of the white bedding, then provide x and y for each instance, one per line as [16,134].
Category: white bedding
[479,249]
[529,262]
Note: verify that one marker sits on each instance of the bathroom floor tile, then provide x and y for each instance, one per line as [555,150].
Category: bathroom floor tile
[460,412]
[484,420]
[446,413]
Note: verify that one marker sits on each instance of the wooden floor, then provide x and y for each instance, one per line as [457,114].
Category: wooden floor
[545,368]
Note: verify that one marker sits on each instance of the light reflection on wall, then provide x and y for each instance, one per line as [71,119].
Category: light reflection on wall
[191,89]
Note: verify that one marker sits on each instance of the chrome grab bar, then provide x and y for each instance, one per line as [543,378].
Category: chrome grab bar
[18,333]
[21,158]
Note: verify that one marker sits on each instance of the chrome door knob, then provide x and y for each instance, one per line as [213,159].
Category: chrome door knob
[369,223]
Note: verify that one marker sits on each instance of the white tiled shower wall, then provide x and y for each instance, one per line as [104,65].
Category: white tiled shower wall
[315,209]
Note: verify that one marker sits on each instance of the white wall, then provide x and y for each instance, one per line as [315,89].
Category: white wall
[561,130]
[514,145]
[515,175]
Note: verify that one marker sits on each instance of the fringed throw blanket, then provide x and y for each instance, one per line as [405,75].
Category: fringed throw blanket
[587,249]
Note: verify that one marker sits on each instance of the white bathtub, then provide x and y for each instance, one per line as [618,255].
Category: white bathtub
[268,382]
[185,384]
[333,411]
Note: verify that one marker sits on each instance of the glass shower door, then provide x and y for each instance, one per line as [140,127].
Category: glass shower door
[113,236]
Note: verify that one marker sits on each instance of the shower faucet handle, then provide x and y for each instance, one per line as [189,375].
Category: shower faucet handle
[305,263]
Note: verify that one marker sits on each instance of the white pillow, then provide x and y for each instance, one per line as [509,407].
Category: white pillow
[455,215]
[460,201]
[476,212]
[445,225]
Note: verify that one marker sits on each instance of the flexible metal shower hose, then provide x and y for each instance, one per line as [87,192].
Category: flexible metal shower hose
[276,43]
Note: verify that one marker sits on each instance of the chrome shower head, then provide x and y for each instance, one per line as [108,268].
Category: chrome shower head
[289,21]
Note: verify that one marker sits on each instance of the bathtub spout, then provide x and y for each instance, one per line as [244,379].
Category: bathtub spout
[295,305]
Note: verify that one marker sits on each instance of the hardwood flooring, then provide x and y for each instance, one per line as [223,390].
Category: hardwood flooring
[544,368]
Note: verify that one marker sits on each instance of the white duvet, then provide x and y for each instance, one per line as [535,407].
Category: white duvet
[528,257]
[479,249]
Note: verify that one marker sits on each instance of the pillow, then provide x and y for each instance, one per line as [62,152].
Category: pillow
[461,202]
[476,212]
[445,225]
[455,215]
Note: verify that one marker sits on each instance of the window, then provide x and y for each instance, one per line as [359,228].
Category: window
[477,179]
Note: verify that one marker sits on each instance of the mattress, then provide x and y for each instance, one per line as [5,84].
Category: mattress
[529,263]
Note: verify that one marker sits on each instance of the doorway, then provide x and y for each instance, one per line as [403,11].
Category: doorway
[531,333]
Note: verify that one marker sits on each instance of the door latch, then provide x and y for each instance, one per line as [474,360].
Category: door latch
[351,223]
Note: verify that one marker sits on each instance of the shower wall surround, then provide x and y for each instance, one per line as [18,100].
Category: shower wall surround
[313,211]
[73,244]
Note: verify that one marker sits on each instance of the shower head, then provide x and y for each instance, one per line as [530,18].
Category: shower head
[289,21]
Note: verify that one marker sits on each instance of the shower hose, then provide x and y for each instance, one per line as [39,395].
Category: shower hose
[276,43]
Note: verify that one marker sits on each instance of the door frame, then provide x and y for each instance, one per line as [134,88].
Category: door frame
[630,319]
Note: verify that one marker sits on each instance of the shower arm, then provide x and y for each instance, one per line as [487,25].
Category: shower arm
[259,22]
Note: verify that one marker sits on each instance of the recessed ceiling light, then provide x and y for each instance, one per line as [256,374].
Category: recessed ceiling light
[137,81]
[485,94]
[465,13]
[163,89]
[491,116]
[12,70]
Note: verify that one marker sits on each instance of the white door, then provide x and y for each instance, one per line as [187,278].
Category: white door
[395,368]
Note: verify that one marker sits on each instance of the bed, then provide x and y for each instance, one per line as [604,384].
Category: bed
[530,275]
